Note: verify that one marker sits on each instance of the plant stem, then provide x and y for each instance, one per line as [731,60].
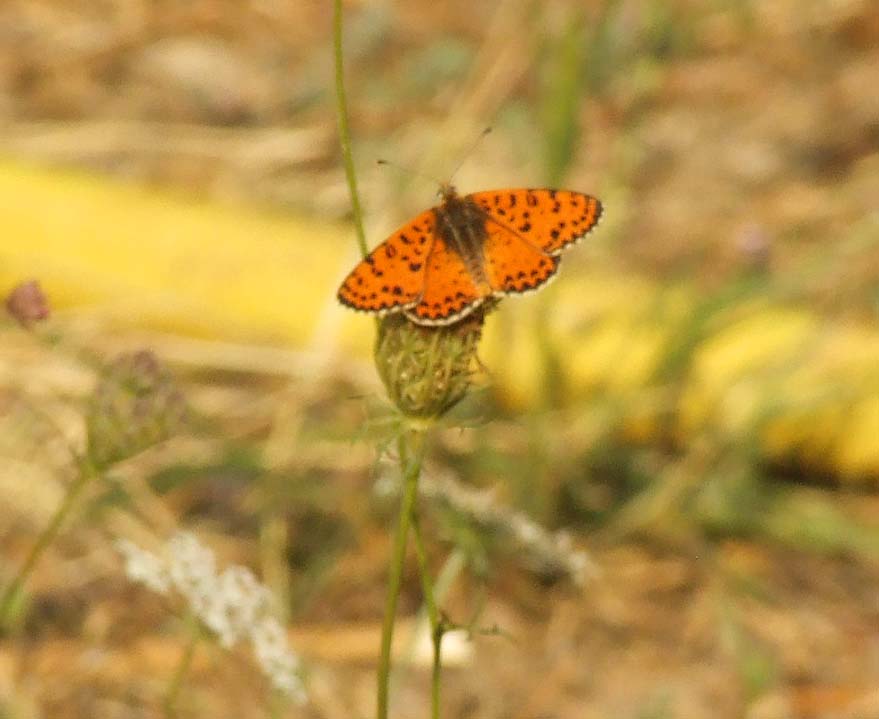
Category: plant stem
[411,468]
[437,628]
[344,130]
[13,590]
[170,701]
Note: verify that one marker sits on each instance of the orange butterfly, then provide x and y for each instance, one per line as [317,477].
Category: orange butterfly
[447,261]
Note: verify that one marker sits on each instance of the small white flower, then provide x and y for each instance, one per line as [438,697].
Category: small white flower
[232,605]
[269,641]
[580,567]
[525,530]
[144,567]
[385,486]
[236,604]
[192,569]
[541,548]
[457,647]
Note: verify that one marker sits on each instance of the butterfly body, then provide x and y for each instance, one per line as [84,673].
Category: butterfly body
[459,223]
[449,260]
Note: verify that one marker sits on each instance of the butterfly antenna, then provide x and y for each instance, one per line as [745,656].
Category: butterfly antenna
[408,170]
[469,152]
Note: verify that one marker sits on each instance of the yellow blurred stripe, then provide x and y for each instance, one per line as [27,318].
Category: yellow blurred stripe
[802,387]
[153,259]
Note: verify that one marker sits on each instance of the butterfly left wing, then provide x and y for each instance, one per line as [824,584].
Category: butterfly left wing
[450,292]
[392,276]
[548,220]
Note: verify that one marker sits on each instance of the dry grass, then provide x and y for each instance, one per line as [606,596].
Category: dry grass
[694,400]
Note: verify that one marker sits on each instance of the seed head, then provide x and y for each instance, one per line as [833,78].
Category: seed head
[135,405]
[427,370]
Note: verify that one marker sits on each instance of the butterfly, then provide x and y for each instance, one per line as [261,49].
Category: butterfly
[446,262]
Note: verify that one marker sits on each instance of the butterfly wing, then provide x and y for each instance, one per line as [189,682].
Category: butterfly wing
[523,233]
[548,220]
[392,276]
[450,292]
[512,265]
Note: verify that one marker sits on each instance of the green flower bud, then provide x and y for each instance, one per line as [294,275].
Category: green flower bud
[135,405]
[427,370]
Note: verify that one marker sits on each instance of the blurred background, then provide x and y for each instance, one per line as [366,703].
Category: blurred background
[693,404]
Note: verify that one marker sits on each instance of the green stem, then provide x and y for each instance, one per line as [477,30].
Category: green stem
[437,628]
[273,542]
[344,130]
[12,592]
[411,471]
[183,666]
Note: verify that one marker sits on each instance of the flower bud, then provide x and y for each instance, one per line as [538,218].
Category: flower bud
[27,303]
[135,405]
[427,370]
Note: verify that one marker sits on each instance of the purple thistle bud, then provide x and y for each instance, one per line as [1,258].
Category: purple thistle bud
[27,303]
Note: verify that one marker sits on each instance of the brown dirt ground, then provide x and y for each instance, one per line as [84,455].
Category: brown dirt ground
[764,129]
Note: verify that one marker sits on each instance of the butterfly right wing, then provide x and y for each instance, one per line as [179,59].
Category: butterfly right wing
[549,220]
[512,265]
[392,276]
